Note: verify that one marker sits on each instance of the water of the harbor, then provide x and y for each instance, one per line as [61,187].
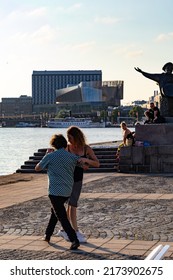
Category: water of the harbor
[18,144]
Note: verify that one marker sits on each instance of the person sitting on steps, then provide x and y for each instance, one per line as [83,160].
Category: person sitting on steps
[128,139]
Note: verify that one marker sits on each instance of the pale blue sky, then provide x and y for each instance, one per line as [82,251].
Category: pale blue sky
[112,36]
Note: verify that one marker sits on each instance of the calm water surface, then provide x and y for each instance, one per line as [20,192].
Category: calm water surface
[18,144]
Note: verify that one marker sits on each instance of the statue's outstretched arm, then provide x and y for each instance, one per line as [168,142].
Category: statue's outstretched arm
[138,69]
[154,77]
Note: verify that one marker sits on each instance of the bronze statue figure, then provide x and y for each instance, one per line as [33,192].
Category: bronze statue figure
[165,82]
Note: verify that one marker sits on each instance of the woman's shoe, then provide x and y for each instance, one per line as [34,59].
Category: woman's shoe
[81,237]
[62,233]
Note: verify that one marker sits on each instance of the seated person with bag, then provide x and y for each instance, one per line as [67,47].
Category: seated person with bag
[128,138]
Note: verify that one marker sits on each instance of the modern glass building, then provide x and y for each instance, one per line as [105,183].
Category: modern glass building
[45,83]
[89,97]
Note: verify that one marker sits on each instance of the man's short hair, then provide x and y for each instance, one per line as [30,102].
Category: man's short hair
[58,141]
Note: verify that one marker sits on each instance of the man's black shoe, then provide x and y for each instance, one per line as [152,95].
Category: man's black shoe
[74,245]
[46,238]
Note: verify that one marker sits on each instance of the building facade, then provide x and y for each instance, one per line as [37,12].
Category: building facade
[88,97]
[45,84]
[112,92]
[16,105]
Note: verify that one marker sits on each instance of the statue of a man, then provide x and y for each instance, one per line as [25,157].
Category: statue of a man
[165,82]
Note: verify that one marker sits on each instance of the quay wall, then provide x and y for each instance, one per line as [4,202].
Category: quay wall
[155,158]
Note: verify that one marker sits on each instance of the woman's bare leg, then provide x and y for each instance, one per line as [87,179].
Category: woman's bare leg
[72,216]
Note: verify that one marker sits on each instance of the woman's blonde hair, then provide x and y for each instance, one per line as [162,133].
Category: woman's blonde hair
[123,123]
[78,135]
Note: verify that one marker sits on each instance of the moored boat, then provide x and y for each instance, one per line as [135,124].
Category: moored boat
[69,121]
[25,124]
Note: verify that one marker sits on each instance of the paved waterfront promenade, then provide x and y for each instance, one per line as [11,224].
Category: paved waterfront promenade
[124,216]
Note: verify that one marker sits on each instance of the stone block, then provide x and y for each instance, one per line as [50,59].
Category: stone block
[165,150]
[127,168]
[167,159]
[137,155]
[142,168]
[155,134]
[126,152]
[125,161]
[167,167]
[146,159]
[154,164]
[169,119]
[150,150]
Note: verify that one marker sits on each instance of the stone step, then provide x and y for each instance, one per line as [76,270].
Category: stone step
[105,164]
[106,156]
[112,168]
[35,158]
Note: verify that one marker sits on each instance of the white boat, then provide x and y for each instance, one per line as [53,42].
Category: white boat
[25,124]
[69,121]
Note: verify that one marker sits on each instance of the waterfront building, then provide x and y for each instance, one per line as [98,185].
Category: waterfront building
[45,84]
[112,92]
[87,97]
[16,105]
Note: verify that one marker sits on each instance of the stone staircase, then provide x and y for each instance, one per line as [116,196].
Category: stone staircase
[105,154]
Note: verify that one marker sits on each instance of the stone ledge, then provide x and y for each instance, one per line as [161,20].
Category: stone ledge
[155,134]
[157,159]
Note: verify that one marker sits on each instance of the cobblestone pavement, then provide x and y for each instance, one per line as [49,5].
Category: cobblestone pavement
[136,219]
[66,255]
[100,216]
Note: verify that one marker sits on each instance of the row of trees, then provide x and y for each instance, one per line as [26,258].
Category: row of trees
[111,115]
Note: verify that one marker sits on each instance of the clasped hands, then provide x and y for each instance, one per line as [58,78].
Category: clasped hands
[83,163]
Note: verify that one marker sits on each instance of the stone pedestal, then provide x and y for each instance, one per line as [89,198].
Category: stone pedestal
[155,134]
[155,158]
[166,106]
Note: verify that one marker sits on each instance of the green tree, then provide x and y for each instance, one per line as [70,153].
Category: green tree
[136,112]
[62,114]
[115,113]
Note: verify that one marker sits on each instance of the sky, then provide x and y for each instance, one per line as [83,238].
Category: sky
[113,36]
